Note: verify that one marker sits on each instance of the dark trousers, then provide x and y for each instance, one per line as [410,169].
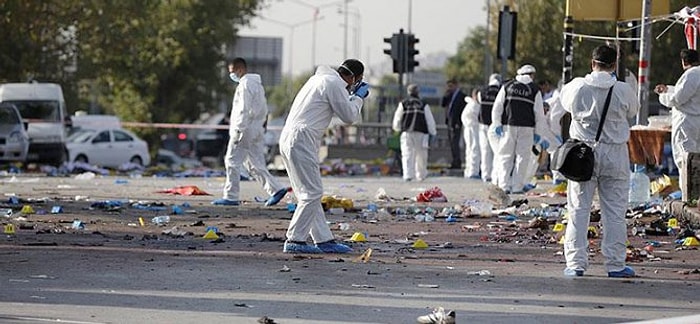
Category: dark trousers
[454,133]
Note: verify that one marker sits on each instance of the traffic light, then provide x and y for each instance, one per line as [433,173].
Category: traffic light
[397,51]
[411,52]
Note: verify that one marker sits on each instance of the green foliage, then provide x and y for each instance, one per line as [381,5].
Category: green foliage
[281,96]
[467,66]
[144,60]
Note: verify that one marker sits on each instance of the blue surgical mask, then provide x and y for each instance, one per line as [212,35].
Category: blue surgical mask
[234,77]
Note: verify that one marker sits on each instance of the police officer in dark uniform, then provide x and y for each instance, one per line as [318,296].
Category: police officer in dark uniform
[517,116]
[486,97]
[414,119]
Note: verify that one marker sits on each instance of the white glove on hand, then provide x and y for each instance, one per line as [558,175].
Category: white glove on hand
[237,136]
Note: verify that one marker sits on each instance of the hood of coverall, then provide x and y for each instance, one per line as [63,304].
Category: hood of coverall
[600,79]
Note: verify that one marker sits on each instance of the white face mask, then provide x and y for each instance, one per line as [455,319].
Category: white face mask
[234,77]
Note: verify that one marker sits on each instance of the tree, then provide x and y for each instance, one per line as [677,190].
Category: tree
[145,60]
[282,95]
[468,65]
[540,40]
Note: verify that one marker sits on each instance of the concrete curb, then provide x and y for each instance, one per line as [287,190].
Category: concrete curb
[684,213]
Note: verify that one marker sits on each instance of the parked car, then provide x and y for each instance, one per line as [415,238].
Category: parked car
[107,147]
[173,161]
[213,142]
[14,140]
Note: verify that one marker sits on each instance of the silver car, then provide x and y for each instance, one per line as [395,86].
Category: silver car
[14,141]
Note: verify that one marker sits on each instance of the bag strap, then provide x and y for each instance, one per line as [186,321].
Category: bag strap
[605,113]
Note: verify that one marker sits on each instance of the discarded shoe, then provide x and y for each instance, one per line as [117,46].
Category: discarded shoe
[568,272]
[333,247]
[276,197]
[438,316]
[225,202]
[300,247]
[627,272]
[529,187]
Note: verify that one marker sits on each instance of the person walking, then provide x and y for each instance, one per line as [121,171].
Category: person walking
[470,122]
[585,98]
[486,97]
[246,133]
[415,121]
[454,103]
[684,101]
[516,119]
[328,93]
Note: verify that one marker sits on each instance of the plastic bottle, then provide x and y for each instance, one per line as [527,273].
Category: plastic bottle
[160,220]
[639,192]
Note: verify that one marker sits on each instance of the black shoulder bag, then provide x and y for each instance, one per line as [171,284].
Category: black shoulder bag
[574,159]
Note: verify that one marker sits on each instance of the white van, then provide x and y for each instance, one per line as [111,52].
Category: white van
[44,110]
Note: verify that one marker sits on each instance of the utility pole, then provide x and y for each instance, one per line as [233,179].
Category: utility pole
[568,57]
[345,42]
[488,65]
[644,58]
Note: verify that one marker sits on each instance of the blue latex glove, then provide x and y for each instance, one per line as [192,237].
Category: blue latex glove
[536,138]
[544,144]
[499,131]
[362,90]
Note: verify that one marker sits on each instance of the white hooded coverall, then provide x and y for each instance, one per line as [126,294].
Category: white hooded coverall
[514,148]
[487,142]
[584,98]
[472,152]
[248,114]
[684,99]
[321,98]
[414,145]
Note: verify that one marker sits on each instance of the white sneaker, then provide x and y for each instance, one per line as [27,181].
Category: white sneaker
[438,316]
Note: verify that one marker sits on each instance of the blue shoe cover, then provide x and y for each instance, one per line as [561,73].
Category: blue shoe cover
[276,197]
[300,247]
[225,202]
[568,272]
[333,247]
[529,187]
[627,272]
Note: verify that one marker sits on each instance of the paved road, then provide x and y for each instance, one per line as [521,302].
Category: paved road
[115,272]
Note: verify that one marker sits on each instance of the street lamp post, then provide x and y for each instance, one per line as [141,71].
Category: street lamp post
[316,18]
[291,35]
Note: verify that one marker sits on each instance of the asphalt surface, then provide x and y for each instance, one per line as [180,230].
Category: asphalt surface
[488,269]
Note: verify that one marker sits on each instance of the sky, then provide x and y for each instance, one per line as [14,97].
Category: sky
[440,25]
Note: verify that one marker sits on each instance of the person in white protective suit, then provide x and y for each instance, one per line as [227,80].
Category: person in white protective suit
[246,131]
[414,119]
[684,101]
[470,122]
[547,136]
[486,97]
[584,98]
[554,120]
[517,120]
[327,94]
